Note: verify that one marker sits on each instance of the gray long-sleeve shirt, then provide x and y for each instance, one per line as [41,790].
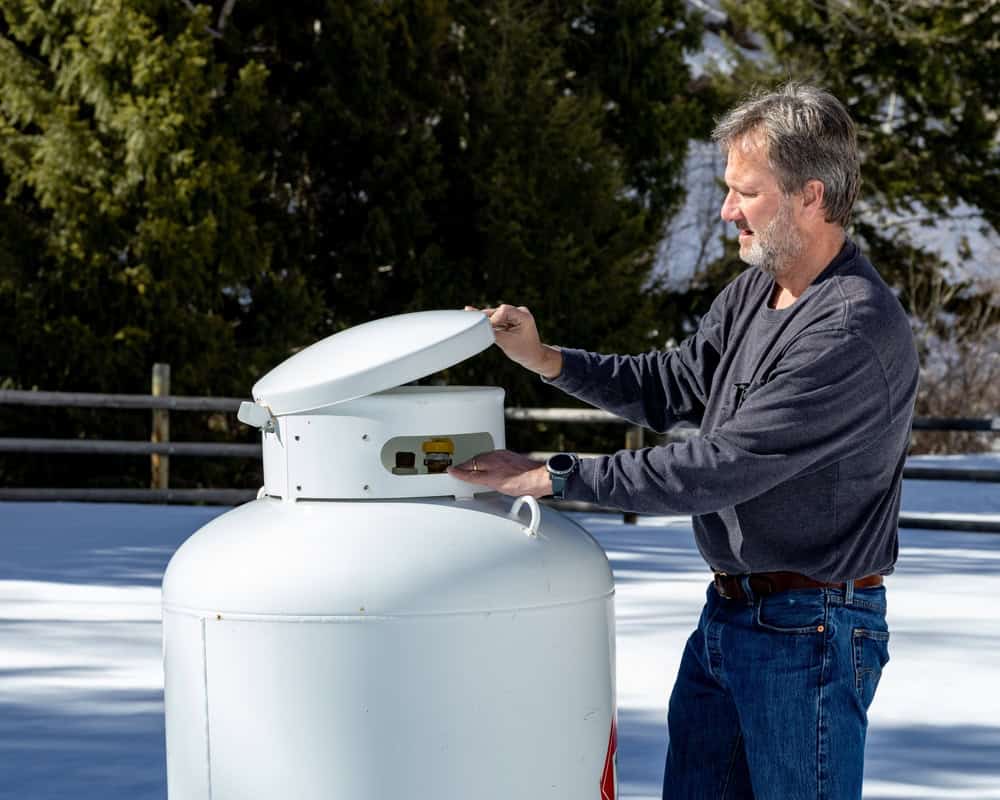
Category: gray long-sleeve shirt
[805,417]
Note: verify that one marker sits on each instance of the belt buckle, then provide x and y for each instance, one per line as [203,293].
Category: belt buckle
[718,579]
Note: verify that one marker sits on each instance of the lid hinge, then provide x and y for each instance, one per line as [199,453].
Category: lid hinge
[257,415]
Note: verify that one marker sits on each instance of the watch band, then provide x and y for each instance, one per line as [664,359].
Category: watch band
[558,486]
[560,467]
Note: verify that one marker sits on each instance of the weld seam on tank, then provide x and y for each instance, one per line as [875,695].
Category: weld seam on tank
[208,733]
[334,618]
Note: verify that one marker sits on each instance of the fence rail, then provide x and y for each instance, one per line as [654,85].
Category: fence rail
[126,448]
[225,497]
[160,448]
[20,397]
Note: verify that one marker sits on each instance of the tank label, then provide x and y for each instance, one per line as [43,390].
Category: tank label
[609,778]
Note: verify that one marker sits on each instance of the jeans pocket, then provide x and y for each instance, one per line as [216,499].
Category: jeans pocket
[871,654]
[791,612]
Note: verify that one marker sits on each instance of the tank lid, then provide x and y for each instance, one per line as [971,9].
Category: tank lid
[372,357]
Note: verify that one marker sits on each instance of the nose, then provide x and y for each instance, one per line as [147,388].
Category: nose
[730,211]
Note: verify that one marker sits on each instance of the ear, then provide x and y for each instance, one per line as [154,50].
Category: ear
[812,198]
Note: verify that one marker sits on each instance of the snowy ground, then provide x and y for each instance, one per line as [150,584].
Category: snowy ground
[81,712]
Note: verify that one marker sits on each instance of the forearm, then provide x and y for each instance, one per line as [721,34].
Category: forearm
[647,389]
[698,476]
[823,406]
[550,363]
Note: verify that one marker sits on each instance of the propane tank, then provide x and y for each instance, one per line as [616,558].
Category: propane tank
[371,627]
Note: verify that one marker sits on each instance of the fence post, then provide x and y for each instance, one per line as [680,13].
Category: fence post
[160,465]
[633,441]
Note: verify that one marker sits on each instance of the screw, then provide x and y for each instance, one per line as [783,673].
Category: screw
[364,437]
[366,487]
[296,438]
[298,488]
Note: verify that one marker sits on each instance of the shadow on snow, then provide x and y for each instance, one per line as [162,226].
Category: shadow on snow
[104,751]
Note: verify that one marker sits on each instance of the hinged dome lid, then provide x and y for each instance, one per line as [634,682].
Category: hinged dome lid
[371,358]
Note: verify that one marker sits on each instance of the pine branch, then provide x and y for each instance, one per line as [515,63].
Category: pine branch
[215,34]
[227,9]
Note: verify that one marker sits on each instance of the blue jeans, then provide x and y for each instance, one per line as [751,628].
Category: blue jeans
[772,695]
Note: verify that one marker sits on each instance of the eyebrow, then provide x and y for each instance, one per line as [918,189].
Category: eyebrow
[742,188]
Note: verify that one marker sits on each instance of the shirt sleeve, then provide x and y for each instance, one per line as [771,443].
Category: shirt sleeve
[656,389]
[827,398]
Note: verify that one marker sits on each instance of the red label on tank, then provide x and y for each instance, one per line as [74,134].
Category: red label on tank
[609,778]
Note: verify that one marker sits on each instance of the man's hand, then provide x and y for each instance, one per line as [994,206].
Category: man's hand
[506,472]
[516,334]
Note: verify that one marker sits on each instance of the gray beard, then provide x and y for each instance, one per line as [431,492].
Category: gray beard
[776,247]
[771,264]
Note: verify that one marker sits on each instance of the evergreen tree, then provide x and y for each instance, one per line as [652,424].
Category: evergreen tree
[433,155]
[216,185]
[128,234]
[438,154]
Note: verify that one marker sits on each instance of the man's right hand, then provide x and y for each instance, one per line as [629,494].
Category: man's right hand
[516,334]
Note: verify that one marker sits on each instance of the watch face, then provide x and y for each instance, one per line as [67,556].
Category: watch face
[561,462]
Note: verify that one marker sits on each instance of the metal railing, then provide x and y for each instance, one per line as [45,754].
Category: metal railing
[160,448]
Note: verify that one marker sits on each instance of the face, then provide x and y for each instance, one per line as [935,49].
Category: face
[770,237]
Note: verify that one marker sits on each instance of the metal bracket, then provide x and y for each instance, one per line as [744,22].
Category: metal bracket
[257,416]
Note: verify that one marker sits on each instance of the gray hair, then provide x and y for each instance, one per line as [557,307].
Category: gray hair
[808,135]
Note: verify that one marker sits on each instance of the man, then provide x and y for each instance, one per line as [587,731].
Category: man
[802,377]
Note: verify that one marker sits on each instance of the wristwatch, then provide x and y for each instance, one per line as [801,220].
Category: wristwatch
[560,467]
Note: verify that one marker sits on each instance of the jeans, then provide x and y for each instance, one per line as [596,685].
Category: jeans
[772,695]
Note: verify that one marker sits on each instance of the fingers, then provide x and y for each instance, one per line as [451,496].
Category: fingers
[472,472]
[485,461]
[498,463]
[504,317]
[472,476]
[509,318]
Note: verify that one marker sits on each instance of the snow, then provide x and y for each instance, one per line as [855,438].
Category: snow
[693,237]
[81,706]
[965,242]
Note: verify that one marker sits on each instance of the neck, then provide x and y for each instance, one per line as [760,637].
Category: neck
[819,251]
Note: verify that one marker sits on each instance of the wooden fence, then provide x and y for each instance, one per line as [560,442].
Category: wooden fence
[160,448]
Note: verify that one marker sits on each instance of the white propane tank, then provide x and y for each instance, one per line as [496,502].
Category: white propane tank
[370,628]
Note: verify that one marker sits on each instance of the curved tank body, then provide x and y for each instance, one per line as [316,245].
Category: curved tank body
[383,634]
[407,649]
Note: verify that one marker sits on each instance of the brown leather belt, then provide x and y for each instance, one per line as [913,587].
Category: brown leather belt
[731,586]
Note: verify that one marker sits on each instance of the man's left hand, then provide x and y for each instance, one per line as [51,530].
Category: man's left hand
[506,472]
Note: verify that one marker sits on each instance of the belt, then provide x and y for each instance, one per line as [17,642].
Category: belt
[731,586]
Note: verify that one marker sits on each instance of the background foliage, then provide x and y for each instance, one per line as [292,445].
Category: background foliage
[217,184]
